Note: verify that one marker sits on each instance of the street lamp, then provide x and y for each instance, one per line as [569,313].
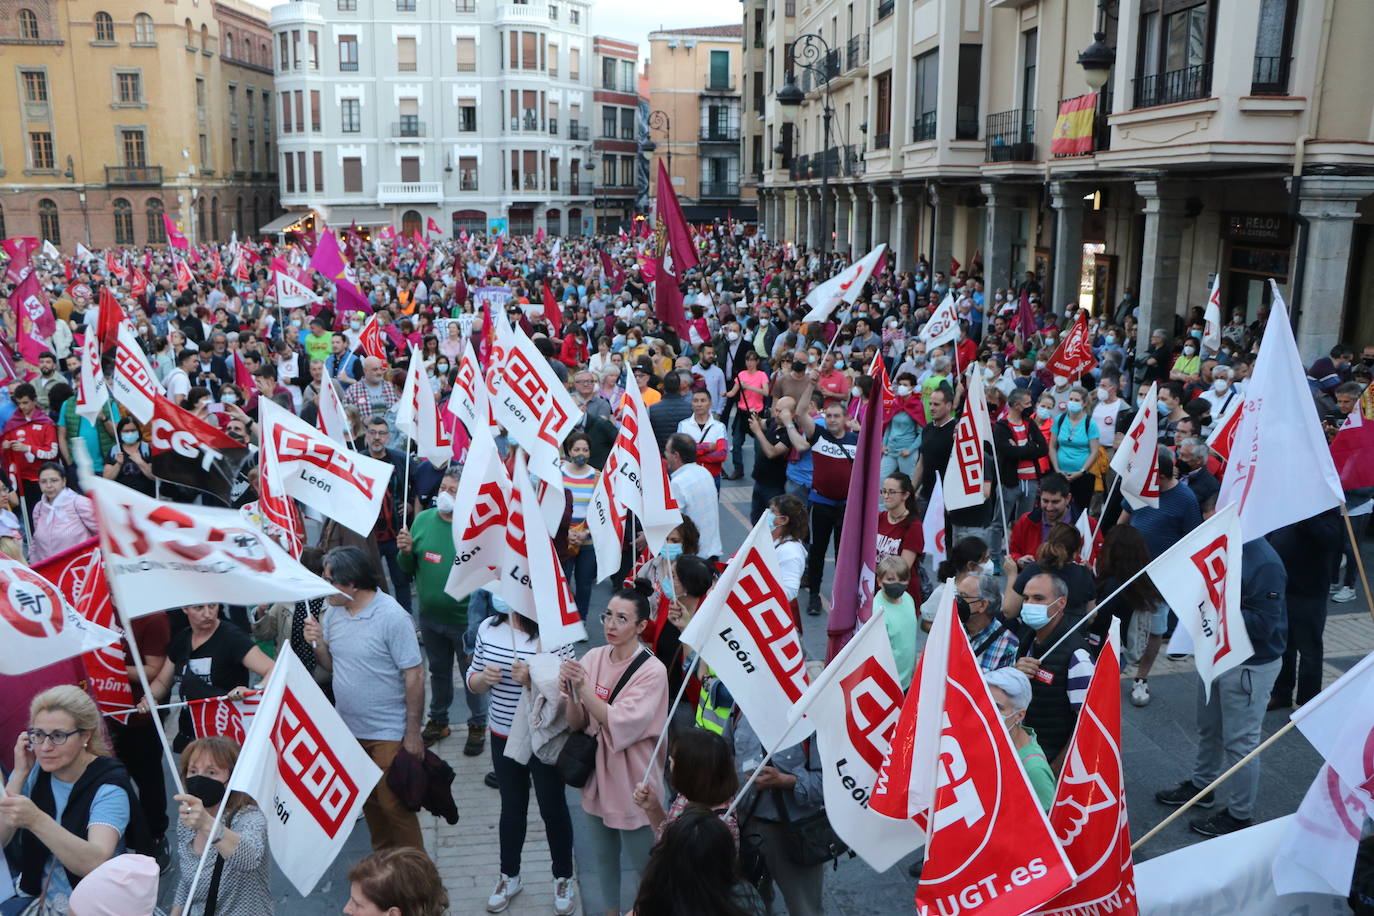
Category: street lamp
[659,120]
[1098,58]
[812,52]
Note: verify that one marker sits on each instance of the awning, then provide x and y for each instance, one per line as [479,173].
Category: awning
[282,222]
[342,217]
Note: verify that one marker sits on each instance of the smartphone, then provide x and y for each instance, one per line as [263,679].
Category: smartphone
[214,407]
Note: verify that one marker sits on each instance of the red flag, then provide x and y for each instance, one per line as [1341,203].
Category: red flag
[953,265]
[674,235]
[432,226]
[26,300]
[183,274]
[460,289]
[1089,813]
[1074,355]
[114,266]
[174,237]
[420,268]
[371,339]
[242,377]
[20,251]
[539,236]
[882,385]
[990,850]
[1023,323]
[552,313]
[108,320]
[217,717]
[138,285]
[1352,451]
[1224,436]
[613,273]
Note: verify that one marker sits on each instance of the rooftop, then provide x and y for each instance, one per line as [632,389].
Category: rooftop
[734,30]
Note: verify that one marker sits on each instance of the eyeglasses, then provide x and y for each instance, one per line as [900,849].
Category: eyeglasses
[620,619]
[890,492]
[37,737]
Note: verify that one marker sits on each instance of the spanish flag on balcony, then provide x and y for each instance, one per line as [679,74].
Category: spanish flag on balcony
[1073,130]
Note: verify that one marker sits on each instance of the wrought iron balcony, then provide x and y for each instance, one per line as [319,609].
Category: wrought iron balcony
[1010,136]
[1270,76]
[1182,85]
[133,176]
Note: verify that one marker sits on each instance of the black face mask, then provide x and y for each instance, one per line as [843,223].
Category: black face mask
[210,791]
[894,590]
[799,367]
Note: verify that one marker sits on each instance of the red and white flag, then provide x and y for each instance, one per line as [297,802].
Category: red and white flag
[432,226]
[845,286]
[943,326]
[1211,319]
[92,391]
[1339,722]
[301,763]
[1089,812]
[479,523]
[183,275]
[161,555]
[370,339]
[1091,532]
[1074,355]
[606,512]
[134,384]
[1137,458]
[965,473]
[418,416]
[218,717]
[291,291]
[332,418]
[1199,577]
[744,631]
[1223,435]
[38,625]
[468,399]
[533,582]
[345,485]
[854,704]
[1317,851]
[1280,470]
[1352,451]
[933,524]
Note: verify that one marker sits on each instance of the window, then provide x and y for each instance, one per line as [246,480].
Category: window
[405,6]
[314,43]
[352,174]
[123,222]
[1030,52]
[253,154]
[348,6]
[190,36]
[467,55]
[104,27]
[608,73]
[300,168]
[627,171]
[409,110]
[528,56]
[574,16]
[205,152]
[233,102]
[299,96]
[128,88]
[465,6]
[882,110]
[248,98]
[289,172]
[133,149]
[318,165]
[348,52]
[266,110]
[627,123]
[608,121]
[284,50]
[28,26]
[1175,60]
[234,153]
[157,231]
[467,115]
[35,86]
[405,54]
[553,59]
[467,173]
[200,94]
[286,112]
[204,37]
[608,164]
[553,12]
[574,62]
[720,70]
[315,125]
[40,150]
[410,168]
[1273,47]
[295,49]
[49,226]
[966,95]
[926,73]
[350,116]
[229,45]
[143,29]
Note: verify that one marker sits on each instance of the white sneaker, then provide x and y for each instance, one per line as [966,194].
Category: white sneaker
[506,889]
[1335,587]
[1342,595]
[1140,693]
[564,896]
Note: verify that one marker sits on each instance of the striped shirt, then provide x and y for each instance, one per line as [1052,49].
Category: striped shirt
[499,644]
[581,488]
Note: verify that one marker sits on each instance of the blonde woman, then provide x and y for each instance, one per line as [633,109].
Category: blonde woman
[239,843]
[64,834]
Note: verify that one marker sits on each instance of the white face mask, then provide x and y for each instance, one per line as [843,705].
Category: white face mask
[1220,385]
[1060,381]
[903,390]
[444,502]
[1189,351]
[855,392]
[1102,394]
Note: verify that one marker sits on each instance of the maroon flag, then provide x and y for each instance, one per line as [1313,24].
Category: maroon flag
[20,251]
[851,602]
[614,274]
[460,287]
[672,229]
[1024,321]
[1352,451]
[107,323]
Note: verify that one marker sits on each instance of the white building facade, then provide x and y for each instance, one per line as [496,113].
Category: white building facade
[467,112]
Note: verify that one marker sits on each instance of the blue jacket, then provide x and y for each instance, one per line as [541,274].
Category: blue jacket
[1262,586]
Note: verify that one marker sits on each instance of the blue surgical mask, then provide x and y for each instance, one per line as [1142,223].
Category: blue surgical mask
[1164,409]
[1044,413]
[672,551]
[1074,407]
[1195,334]
[129,438]
[1111,339]
[1035,616]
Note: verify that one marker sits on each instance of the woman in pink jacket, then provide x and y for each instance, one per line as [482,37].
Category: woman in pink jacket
[62,519]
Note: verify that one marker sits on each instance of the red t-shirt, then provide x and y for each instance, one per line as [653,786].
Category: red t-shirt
[1025,470]
[894,537]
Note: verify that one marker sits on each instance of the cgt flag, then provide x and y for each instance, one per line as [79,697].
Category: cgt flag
[305,770]
[38,625]
[190,452]
[1137,458]
[744,631]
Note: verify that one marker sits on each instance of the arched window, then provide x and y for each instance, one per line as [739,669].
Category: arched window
[204,37]
[411,223]
[123,222]
[471,220]
[214,219]
[157,232]
[49,226]
[201,225]
[104,27]
[28,24]
[143,29]
[190,34]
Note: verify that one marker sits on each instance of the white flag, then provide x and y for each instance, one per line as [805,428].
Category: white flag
[333,417]
[640,479]
[92,391]
[83,254]
[1199,577]
[305,770]
[933,525]
[161,555]
[533,582]
[1211,318]
[845,286]
[965,474]
[1280,469]
[345,485]
[418,416]
[854,704]
[479,532]
[1317,852]
[50,251]
[292,293]
[38,627]
[1137,458]
[1339,722]
[135,385]
[606,516]
[468,399]
[943,326]
[744,631]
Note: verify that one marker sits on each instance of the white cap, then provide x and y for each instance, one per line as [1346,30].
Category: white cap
[1013,683]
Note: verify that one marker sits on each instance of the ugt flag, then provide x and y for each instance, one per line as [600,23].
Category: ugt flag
[305,769]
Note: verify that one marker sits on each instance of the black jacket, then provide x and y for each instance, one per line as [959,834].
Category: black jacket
[1262,586]
[666,415]
[1306,549]
[1009,454]
[424,784]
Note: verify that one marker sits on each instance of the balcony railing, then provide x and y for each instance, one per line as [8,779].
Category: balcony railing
[923,127]
[553,127]
[885,8]
[405,192]
[576,132]
[615,85]
[1011,136]
[528,122]
[1270,76]
[719,85]
[720,189]
[758,103]
[800,169]
[1182,85]
[132,176]
[408,127]
[717,134]
[856,52]
[1102,130]
[467,183]
[882,141]
[830,63]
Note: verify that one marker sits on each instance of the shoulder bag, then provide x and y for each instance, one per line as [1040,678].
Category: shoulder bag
[577,760]
[808,840]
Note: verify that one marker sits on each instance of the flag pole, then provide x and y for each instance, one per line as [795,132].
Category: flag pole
[1216,782]
[1001,502]
[658,746]
[1085,618]
[205,853]
[1359,561]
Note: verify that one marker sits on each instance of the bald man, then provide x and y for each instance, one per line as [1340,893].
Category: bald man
[373,395]
[770,458]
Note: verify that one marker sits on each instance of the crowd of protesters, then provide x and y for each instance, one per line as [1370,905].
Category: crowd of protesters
[745,386]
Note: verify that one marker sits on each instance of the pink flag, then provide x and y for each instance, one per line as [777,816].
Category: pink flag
[20,251]
[174,237]
[26,300]
[851,602]
[328,260]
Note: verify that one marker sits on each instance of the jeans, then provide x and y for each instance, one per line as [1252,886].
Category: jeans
[400,582]
[479,609]
[1302,660]
[1019,499]
[758,503]
[1229,727]
[444,642]
[738,433]
[608,843]
[514,783]
[390,822]
[825,522]
[580,572]
[895,462]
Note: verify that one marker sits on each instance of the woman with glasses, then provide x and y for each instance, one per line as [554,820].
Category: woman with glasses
[619,692]
[899,529]
[68,799]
